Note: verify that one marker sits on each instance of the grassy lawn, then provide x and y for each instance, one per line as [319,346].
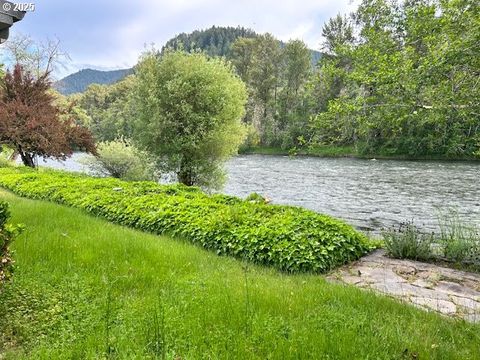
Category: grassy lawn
[87,289]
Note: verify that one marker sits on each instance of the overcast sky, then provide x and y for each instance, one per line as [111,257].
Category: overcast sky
[110,34]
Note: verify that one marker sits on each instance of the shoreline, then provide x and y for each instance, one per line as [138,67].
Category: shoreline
[349,153]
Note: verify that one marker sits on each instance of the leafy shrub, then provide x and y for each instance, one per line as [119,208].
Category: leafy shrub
[457,242]
[288,238]
[122,160]
[460,242]
[5,163]
[407,242]
[6,157]
[189,111]
[7,233]
[252,139]
[255,197]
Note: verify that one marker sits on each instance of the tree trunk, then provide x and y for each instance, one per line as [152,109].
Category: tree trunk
[27,159]
[185,175]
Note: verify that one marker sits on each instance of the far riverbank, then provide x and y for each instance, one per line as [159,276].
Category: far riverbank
[347,152]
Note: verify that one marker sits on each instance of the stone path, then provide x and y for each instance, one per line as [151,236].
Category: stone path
[428,286]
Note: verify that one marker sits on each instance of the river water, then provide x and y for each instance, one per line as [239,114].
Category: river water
[369,194]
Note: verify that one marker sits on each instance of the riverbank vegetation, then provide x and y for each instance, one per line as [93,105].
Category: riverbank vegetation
[288,238]
[385,84]
[121,159]
[7,234]
[406,77]
[320,151]
[346,151]
[189,111]
[395,80]
[457,244]
[85,288]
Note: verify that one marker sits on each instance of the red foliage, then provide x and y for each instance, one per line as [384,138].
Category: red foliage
[31,124]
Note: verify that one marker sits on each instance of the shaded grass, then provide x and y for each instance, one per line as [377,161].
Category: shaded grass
[87,289]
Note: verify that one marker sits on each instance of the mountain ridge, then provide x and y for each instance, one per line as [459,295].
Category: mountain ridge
[215,41]
[79,81]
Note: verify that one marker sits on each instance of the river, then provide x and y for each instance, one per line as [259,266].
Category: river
[369,194]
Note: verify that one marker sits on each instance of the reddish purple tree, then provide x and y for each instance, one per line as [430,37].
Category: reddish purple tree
[31,124]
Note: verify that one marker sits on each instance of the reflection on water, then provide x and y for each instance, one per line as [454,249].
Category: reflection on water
[366,193]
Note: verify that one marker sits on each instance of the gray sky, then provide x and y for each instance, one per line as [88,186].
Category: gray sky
[110,34]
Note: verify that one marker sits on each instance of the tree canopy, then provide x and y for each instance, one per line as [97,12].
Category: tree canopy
[31,123]
[110,108]
[408,83]
[396,78]
[189,114]
[215,41]
[277,77]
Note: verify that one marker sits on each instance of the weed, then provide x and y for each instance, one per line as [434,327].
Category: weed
[407,242]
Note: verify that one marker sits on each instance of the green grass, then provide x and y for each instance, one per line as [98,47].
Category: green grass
[288,238]
[87,289]
[457,245]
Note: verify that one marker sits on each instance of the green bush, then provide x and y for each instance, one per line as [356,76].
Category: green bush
[288,238]
[407,242]
[459,241]
[7,233]
[6,157]
[255,197]
[121,159]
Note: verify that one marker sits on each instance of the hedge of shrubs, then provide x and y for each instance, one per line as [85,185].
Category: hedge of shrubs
[289,238]
[7,233]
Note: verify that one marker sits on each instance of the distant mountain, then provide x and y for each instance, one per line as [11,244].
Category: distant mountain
[215,41]
[79,81]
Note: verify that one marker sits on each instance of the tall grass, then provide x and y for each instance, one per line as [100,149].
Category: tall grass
[460,241]
[457,242]
[87,289]
[408,242]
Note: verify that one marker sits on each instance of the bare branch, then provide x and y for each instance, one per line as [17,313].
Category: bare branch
[39,58]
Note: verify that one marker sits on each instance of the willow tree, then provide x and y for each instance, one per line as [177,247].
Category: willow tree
[189,114]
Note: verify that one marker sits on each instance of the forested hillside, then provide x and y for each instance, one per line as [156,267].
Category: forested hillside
[79,81]
[394,80]
[215,41]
